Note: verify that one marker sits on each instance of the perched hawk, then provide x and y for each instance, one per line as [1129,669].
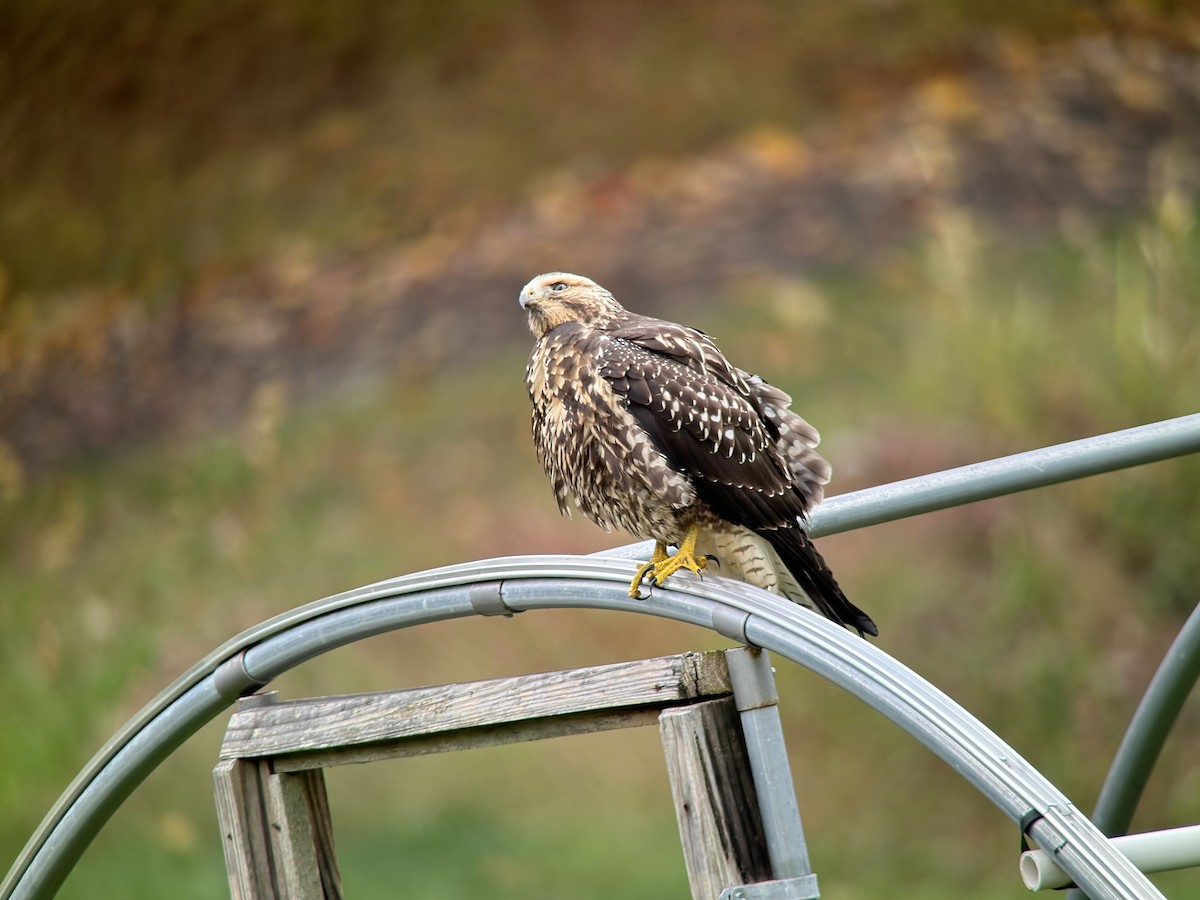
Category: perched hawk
[645,424]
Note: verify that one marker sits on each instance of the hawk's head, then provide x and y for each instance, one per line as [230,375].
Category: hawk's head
[558,297]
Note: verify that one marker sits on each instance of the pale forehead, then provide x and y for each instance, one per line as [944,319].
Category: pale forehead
[551,277]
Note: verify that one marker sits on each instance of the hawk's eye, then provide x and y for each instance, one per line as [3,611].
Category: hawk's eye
[558,286]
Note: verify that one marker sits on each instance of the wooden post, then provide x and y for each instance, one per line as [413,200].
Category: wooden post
[276,828]
[715,803]
[244,832]
[277,832]
[302,836]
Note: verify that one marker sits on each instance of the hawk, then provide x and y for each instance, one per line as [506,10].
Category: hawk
[645,424]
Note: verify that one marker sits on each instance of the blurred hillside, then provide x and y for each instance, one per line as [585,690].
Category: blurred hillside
[208,200]
[259,343]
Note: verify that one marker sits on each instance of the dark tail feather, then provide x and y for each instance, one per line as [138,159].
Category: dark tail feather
[799,554]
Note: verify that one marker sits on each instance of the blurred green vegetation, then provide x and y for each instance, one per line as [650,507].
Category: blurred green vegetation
[1043,613]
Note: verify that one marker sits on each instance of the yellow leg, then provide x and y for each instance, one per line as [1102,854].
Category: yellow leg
[661,566]
[660,555]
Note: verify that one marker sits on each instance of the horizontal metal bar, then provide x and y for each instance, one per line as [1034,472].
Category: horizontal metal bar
[1007,475]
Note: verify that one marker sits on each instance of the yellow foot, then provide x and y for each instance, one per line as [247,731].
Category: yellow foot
[662,566]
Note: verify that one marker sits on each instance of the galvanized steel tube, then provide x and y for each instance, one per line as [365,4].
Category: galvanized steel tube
[1008,474]
[556,582]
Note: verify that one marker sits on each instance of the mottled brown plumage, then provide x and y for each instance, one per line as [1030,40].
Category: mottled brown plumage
[644,424]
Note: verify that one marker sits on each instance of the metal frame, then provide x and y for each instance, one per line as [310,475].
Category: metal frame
[746,614]
[1148,729]
[757,703]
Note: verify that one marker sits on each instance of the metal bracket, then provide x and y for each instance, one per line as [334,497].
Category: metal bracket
[487,599]
[752,677]
[232,679]
[803,887]
[731,623]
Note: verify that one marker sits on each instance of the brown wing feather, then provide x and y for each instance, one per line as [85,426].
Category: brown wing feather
[797,440]
[703,417]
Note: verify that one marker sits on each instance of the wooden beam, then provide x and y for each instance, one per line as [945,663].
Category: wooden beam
[720,826]
[465,739]
[556,702]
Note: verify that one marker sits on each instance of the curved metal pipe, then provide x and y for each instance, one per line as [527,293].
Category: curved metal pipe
[1148,730]
[549,582]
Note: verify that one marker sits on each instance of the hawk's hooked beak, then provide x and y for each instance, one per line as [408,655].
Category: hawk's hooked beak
[525,299]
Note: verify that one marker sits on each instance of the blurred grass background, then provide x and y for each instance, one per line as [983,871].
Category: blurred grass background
[950,232]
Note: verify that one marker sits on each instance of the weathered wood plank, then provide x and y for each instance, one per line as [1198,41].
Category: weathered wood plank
[334,722]
[715,804]
[302,837]
[277,833]
[238,788]
[466,739]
